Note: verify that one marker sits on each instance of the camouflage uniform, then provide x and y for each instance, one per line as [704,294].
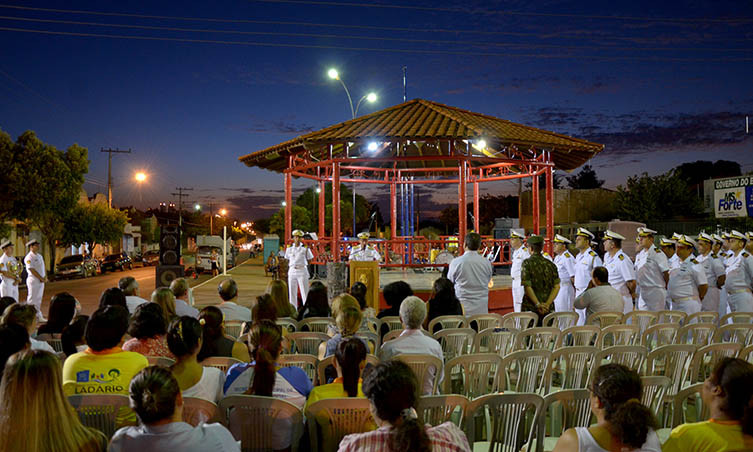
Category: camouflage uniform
[541,275]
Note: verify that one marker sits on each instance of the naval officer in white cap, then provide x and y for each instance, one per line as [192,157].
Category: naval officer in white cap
[714,269]
[739,282]
[36,278]
[585,261]
[363,252]
[565,263]
[519,254]
[687,283]
[620,267]
[298,256]
[652,272]
[9,277]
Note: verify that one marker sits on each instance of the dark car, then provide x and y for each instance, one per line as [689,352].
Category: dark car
[150,258]
[76,265]
[118,261]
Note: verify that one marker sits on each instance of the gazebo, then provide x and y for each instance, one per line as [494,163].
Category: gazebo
[421,142]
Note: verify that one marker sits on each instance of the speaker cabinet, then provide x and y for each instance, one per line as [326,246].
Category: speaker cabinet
[165,274]
[169,245]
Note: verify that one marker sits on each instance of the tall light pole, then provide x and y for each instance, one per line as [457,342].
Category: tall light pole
[370,97]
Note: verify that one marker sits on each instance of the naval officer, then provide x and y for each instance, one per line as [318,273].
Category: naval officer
[565,263]
[298,256]
[687,283]
[519,254]
[739,271]
[36,278]
[652,272]
[714,269]
[620,268]
[585,262]
[8,278]
[363,252]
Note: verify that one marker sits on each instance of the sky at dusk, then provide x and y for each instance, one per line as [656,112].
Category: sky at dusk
[191,86]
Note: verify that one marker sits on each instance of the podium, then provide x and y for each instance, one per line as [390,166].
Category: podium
[367,273]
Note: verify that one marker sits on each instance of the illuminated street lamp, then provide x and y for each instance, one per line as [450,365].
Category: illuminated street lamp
[197,207]
[140,176]
[223,212]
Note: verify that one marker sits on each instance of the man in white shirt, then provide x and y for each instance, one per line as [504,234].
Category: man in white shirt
[687,283]
[620,267]
[585,263]
[720,249]
[363,252]
[231,310]
[37,276]
[298,256]
[714,269]
[412,341]
[471,274]
[565,263]
[130,288]
[9,271]
[519,254]
[652,272]
[179,287]
[739,272]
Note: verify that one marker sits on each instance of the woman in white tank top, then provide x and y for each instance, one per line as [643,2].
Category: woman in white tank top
[623,423]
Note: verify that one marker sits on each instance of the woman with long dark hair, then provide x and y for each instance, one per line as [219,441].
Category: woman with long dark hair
[195,380]
[350,359]
[443,301]
[73,338]
[317,303]
[622,421]
[392,390]
[214,342]
[148,330]
[728,392]
[60,314]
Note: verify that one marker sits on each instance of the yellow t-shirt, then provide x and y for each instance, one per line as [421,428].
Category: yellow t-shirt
[331,391]
[708,436]
[104,372]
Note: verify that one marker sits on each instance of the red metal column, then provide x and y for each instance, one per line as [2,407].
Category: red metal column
[535,202]
[336,211]
[549,205]
[476,221]
[393,210]
[322,210]
[288,207]
[462,207]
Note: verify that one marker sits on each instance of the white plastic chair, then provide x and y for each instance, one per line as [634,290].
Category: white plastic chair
[510,419]
[671,361]
[423,366]
[738,332]
[162,361]
[619,335]
[99,411]
[632,356]
[566,409]
[438,409]
[253,420]
[447,321]
[580,336]
[736,317]
[287,323]
[537,338]
[660,334]
[220,362]
[698,334]
[478,374]
[308,363]
[520,320]
[329,420]
[233,328]
[561,320]
[392,322]
[454,341]
[307,342]
[199,411]
[315,324]
[676,317]
[706,357]
[654,390]
[494,340]
[570,367]
[642,319]
[703,317]
[605,318]
[484,321]
[321,366]
[525,371]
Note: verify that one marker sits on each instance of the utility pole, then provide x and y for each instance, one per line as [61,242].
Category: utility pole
[109,170]
[180,196]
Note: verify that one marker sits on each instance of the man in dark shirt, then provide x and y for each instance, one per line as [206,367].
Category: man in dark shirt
[540,279]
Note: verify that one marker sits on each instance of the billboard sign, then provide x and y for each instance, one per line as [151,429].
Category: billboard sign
[733,197]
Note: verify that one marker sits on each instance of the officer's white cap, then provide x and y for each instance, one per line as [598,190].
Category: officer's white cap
[363,235]
[707,237]
[31,242]
[560,239]
[594,243]
[611,235]
[645,232]
[517,235]
[5,243]
[737,235]
[718,238]
[750,235]
[585,233]
[687,241]
[297,233]
[676,236]
[667,242]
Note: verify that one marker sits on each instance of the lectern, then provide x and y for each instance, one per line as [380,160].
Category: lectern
[367,273]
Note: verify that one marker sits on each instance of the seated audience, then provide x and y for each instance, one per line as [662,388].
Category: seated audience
[155,397]
[728,392]
[61,313]
[42,419]
[13,338]
[103,368]
[443,301]
[130,288]
[622,421]
[600,296]
[317,302]
[348,323]
[350,359]
[180,289]
[394,294]
[195,380]
[72,336]
[113,297]
[214,342]
[358,291]
[25,315]
[392,390]
[228,291]
[261,377]
[166,300]
[148,329]
[278,290]
[5,302]
[264,309]
[413,341]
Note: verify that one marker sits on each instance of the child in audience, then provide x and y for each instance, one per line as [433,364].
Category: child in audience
[148,329]
[350,359]
[348,323]
[155,397]
[195,380]
[214,342]
[38,417]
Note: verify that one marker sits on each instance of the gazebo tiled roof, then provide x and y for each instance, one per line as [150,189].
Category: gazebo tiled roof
[421,120]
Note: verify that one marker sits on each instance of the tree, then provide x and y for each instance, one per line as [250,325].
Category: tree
[556,182]
[585,179]
[93,224]
[309,200]
[663,197]
[300,217]
[449,217]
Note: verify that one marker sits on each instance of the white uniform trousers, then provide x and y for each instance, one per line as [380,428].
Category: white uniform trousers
[628,304]
[723,302]
[710,302]
[689,305]
[581,312]
[297,279]
[740,301]
[517,297]
[563,302]
[652,298]
[8,289]
[35,290]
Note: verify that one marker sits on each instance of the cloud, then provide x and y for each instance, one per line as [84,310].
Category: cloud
[286,125]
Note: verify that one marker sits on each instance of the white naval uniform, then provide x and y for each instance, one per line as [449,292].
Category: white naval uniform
[369,254]
[298,273]
[713,268]
[740,282]
[34,286]
[724,256]
[650,265]
[8,286]
[565,263]
[621,271]
[674,262]
[585,262]
[683,285]
[518,256]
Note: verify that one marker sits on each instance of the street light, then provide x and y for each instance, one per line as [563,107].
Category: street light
[197,207]
[223,212]
[140,176]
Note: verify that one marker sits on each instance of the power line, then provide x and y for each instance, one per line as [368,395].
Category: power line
[28,88]
[180,196]
[371,49]
[373,38]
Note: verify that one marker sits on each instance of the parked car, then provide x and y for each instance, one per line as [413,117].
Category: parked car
[150,258]
[76,265]
[117,261]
